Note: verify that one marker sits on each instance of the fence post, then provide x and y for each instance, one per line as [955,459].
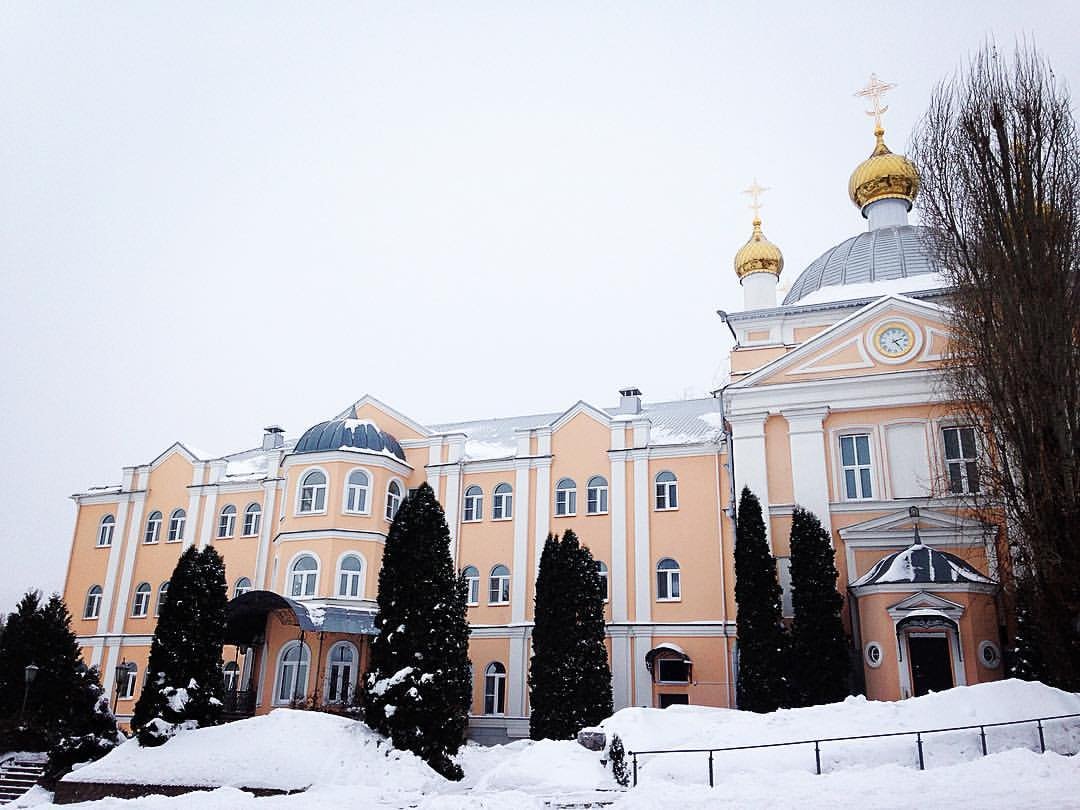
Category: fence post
[710,770]
[918,742]
[635,768]
[817,756]
[1042,740]
[982,736]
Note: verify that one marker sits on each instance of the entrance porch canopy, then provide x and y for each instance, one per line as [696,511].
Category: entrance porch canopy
[245,619]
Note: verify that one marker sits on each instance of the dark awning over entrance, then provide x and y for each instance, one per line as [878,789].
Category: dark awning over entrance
[925,620]
[246,617]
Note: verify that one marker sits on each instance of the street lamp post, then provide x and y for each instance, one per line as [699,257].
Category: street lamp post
[30,673]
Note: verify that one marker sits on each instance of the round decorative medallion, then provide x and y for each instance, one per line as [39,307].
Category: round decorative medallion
[989,655]
[873,654]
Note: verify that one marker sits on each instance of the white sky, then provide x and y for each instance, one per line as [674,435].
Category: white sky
[218,216]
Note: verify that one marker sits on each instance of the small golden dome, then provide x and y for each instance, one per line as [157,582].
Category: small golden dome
[759,255]
[883,176]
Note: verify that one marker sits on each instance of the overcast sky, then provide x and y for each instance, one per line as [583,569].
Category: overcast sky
[218,216]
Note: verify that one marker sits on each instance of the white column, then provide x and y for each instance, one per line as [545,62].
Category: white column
[198,471]
[130,547]
[617,583]
[748,452]
[642,678]
[810,473]
[516,675]
[521,540]
[621,666]
[543,502]
[266,526]
[642,562]
[116,551]
[108,679]
[209,516]
[434,472]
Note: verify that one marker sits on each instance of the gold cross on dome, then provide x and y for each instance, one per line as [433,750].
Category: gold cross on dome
[874,90]
[755,191]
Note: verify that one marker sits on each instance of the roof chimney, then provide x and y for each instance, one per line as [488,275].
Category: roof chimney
[273,438]
[630,400]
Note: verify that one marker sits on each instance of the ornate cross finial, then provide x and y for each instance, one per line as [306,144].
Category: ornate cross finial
[755,191]
[874,90]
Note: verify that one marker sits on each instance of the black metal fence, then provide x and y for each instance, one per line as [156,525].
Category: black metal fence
[918,735]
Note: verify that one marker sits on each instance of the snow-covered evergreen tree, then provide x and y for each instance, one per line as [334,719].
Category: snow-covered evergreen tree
[184,680]
[617,757]
[569,675]
[762,684]
[418,687]
[819,648]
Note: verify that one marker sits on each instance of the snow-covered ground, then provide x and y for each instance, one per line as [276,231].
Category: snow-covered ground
[343,765]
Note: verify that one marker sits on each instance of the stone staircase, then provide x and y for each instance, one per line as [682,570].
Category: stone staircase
[17,776]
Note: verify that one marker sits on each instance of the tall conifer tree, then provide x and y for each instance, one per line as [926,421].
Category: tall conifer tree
[184,682]
[818,643]
[569,676]
[418,685]
[762,681]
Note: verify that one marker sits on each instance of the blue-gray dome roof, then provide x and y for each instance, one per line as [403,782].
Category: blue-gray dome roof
[348,434]
[921,565]
[877,255]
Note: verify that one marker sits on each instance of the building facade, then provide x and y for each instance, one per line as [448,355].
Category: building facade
[835,404]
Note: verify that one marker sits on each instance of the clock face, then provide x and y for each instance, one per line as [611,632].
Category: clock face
[894,340]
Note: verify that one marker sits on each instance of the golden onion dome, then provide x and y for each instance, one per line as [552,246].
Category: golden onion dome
[883,176]
[758,255]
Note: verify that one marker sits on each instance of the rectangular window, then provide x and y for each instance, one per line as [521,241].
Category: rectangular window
[855,464]
[597,500]
[961,460]
[783,565]
[672,670]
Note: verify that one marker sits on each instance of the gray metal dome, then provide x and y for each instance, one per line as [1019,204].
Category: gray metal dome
[348,434]
[877,255]
[921,565]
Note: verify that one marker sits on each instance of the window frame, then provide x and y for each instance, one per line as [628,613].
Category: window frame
[331,679]
[965,462]
[502,501]
[666,491]
[177,525]
[566,497]
[495,673]
[316,489]
[355,577]
[503,587]
[305,574]
[153,527]
[857,467]
[252,520]
[473,583]
[604,573]
[236,587]
[673,660]
[304,662]
[126,689]
[94,593]
[388,513]
[671,577]
[162,594]
[472,506]
[226,528]
[601,499]
[106,522]
[233,669]
[363,489]
[140,606]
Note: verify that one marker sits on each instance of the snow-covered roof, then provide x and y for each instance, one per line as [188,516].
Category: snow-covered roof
[921,565]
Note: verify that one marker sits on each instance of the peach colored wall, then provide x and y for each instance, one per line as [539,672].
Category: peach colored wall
[778,460]
[87,563]
[804,333]
[399,430]
[337,473]
[328,551]
[757,337]
[781,535]
[483,651]
[711,677]
[690,535]
[487,543]
[139,655]
[745,360]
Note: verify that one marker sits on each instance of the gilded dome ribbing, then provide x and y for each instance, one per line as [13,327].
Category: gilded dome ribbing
[758,255]
[883,176]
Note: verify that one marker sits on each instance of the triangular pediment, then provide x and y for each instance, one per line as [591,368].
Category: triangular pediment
[925,601]
[581,407]
[932,523]
[893,334]
[175,449]
[368,407]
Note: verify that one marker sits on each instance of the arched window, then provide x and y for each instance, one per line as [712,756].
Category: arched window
[304,576]
[176,525]
[153,528]
[243,585]
[499,585]
[292,673]
[227,522]
[472,581]
[502,502]
[341,673]
[93,603]
[126,686]
[393,499]
[668,585]
[602,572]
[350,577]
[140,605]
[230,674]
[596,495]
[495,688]
[252,519]
[357,489]
[566,497]
[667,491]
[105,531]
[312,493]
[162,593]
[474,504]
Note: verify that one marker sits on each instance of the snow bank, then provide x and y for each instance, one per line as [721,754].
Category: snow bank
[701,727]
[286,750]
[545,766]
